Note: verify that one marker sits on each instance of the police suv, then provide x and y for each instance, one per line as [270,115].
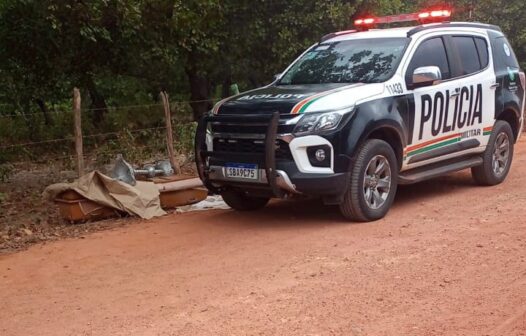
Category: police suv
[365,110]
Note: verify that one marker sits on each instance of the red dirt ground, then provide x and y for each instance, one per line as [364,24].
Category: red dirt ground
[449,259]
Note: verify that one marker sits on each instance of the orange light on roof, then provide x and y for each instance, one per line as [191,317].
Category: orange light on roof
[423,17]
[441,13]
[435,14]
[366,21]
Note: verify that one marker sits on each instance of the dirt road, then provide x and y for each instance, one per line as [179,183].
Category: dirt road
[450,259]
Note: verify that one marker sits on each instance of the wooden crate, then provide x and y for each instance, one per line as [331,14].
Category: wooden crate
[174,199]
[82,209]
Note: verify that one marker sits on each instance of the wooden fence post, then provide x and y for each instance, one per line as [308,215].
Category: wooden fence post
[78,131]
[169,132]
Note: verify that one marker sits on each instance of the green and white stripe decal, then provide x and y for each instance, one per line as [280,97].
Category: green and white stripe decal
[437,143]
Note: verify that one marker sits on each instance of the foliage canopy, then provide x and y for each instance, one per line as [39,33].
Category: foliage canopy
[125,51]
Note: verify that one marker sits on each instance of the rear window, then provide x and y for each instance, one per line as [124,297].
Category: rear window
[503,56]
[469,56]
[506,53]
[482,48]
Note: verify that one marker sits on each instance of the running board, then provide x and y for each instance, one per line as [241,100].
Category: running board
[438,169]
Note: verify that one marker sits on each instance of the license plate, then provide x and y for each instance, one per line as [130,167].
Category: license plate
[245,171]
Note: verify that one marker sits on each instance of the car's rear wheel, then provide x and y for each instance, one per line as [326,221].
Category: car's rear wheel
[373,183]
[497,158]
[241,201]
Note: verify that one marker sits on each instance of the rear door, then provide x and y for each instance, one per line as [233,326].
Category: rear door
[476,76]
[510,91]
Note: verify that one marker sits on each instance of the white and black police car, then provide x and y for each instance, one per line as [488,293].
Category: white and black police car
[365,110]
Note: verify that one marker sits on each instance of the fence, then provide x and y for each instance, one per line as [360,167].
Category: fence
[35,152]
[28,139]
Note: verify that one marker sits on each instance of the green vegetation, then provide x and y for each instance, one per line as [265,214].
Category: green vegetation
[123,52]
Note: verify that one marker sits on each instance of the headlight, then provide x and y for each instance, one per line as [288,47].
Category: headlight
[320,122]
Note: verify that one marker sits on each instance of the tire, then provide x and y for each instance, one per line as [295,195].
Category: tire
[497,157]
[240,201]
[361,202]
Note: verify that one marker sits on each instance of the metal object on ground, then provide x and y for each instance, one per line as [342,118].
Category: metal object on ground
[124,172]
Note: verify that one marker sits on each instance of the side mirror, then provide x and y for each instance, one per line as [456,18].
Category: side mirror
[277,76]
[425,76]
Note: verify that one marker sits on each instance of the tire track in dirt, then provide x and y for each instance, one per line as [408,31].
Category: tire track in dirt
[450,259]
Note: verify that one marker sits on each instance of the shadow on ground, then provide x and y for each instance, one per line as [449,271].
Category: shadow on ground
[312,212]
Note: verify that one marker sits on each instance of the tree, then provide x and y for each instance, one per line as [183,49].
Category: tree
[31,59]
[118,50]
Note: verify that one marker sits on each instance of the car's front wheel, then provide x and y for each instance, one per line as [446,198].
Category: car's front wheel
[241,201]
[373,182]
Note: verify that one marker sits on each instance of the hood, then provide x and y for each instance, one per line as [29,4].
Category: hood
[294,99]
[285,99]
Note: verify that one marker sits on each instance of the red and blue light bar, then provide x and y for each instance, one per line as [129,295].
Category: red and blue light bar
[423,17]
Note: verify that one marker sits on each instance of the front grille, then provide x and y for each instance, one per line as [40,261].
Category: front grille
[248,128]
[252,146]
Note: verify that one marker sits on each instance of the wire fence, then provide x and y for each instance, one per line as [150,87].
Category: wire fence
[33,156]
[62,110]
[69,139]
[39,148]
[136,131]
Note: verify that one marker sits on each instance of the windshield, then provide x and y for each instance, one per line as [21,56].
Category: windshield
[352,61]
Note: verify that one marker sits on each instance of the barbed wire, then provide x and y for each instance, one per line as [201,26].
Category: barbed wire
[84,137]
[152,105]
[89,155]
[61,111]
[51,112]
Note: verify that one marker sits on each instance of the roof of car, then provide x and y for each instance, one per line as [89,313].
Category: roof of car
[404,31]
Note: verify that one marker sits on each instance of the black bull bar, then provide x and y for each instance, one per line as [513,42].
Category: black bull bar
[268,157]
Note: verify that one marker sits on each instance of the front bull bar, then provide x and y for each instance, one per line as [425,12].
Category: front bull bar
[202,154]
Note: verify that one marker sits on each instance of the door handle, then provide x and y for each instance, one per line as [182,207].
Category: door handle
[494,86]
[455,94]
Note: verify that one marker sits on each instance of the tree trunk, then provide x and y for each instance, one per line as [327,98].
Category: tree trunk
[227,82]
[200,92]
[45,112]
[225,90]
[98,102]
[30,121]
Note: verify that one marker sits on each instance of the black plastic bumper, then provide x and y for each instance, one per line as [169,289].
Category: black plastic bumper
[268,158]
[306,183]
[315,184]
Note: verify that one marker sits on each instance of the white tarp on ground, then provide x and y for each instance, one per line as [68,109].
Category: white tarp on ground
[210,203]
[141,200]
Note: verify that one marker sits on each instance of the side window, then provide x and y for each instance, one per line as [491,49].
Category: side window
[503,56]
[507,53]
[482,48]
[467,51]
[430,53]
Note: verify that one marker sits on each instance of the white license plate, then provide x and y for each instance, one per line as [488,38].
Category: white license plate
[245,171]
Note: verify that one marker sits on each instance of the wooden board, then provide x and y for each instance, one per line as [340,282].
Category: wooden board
[171,178]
